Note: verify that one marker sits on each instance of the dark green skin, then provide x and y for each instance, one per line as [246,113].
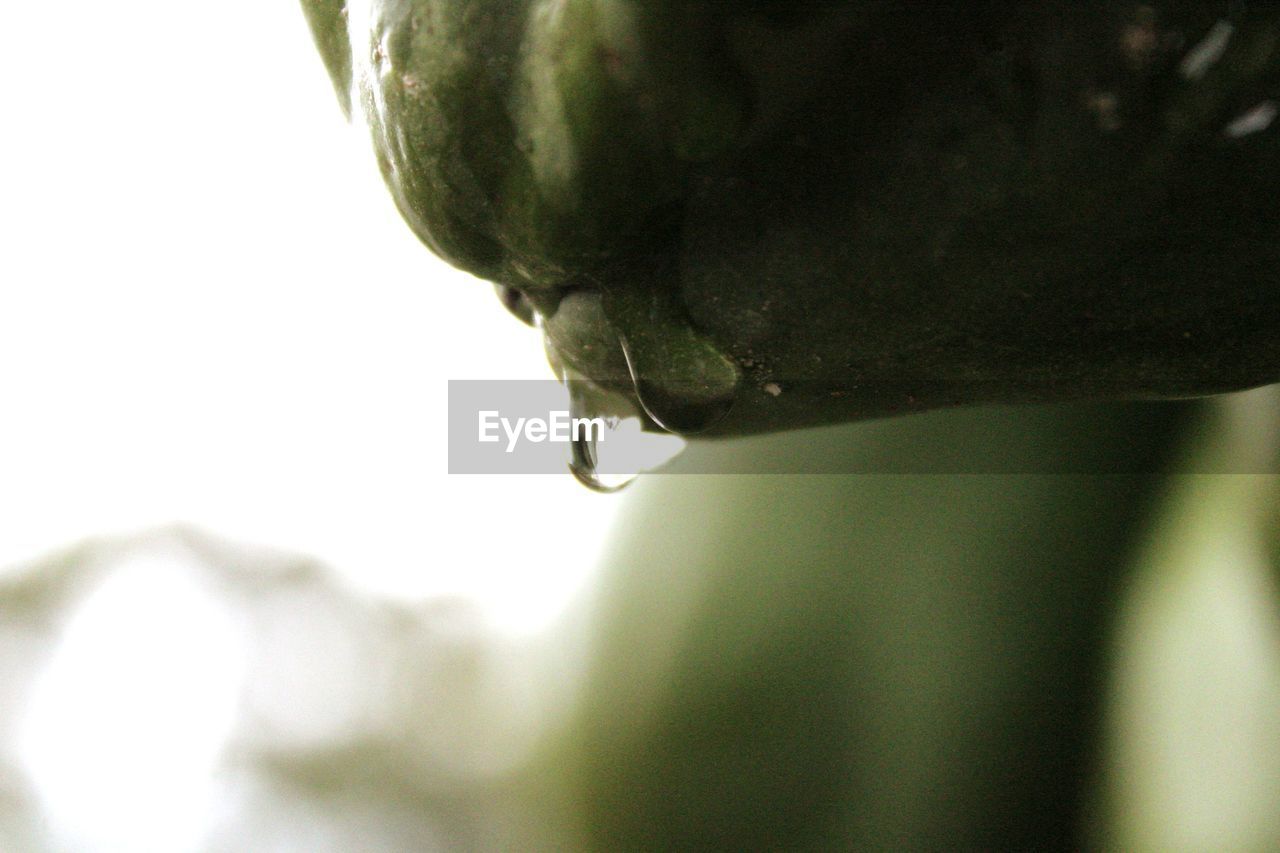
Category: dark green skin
[795,213]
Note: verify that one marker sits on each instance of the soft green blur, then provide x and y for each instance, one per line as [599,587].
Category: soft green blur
[920,661]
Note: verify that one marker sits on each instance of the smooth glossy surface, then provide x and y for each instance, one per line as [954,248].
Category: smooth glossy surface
[877,208]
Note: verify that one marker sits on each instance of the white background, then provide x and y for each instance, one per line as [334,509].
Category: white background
[210,312]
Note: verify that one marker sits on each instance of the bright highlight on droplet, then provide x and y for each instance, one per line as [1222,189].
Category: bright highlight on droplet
[611,456]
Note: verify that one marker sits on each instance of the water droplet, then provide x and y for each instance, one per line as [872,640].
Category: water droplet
[585,466]
[685,384]
[637,337]
[609,447]
[679,405]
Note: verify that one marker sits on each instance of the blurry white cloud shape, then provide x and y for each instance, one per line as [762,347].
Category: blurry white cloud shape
[124,727]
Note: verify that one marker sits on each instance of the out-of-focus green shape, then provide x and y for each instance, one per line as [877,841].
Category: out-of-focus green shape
[1192,746]
[872,662]
[843,210]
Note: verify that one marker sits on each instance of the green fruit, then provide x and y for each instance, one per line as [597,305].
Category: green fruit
[793,213]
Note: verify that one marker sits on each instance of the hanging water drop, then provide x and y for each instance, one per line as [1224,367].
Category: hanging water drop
[584,465]
[609,446]
[683,381]
[681,404]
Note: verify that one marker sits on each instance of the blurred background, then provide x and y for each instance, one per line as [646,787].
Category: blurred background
[211,311]
[243,606]
[211,314]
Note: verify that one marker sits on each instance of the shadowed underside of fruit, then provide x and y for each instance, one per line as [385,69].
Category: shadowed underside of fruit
[767,215]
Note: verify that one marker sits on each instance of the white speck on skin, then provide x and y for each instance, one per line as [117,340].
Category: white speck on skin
[1255,120]
[1207,51]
